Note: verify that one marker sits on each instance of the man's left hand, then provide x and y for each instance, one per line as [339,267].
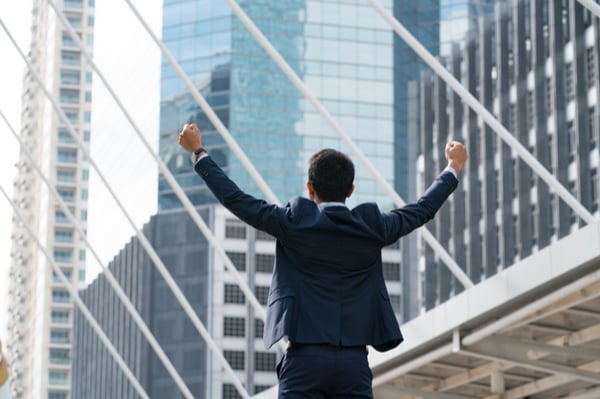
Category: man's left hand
[190,138]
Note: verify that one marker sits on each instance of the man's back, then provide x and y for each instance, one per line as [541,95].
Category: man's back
[328,295]
[328,285]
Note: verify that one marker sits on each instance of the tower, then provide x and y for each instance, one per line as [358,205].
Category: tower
[38,343]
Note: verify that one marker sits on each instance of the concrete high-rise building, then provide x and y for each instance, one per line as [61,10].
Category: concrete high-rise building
[215,297]
[40,311]
[534,65]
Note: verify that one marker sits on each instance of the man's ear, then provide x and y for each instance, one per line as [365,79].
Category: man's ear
[311,190]
[350,191]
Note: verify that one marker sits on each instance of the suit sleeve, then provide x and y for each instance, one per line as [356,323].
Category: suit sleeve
[402,221]
[256,212]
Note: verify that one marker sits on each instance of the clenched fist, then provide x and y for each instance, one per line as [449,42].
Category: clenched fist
[456,154]
[190,138]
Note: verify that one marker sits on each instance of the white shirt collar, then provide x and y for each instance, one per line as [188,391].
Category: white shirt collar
[323,205]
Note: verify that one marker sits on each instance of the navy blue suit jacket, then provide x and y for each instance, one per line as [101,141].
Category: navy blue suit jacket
[327,284]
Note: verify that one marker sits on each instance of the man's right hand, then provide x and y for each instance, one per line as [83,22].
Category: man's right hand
[456,154]
[190,138]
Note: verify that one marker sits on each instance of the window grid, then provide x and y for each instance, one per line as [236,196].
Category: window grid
[259,327]
[265,263]
[234,327]
[238,259]
[235,228]
[233,294]
[391,271]
[229,392]
[265,361]
[262,294]
[236,359]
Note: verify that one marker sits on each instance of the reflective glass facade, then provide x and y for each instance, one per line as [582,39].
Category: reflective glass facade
[341,49]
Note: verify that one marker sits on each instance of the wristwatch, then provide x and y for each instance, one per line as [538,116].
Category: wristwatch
[196,154]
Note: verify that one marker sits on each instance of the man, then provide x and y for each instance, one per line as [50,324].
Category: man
[327,295]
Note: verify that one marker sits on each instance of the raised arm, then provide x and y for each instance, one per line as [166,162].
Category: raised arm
[402,221]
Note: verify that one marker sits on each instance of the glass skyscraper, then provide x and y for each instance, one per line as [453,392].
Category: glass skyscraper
[341,50]
[345,53]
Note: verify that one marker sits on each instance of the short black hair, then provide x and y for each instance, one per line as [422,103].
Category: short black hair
[331,174]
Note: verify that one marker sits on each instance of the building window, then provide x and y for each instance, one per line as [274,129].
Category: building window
[67,41]
[591,67]
[60,317]
[391,271]
[74,21]
[571,141]
[73,4]
[83,215]
[68,195]
[262,294]
[264,361]
[569,81]
[236,359]
[234,327]
[82,255]
[67,155]
[57,395]
[65,236]
[69,96]
[238,259]
[81,275]
[84,194]
[264,263]
[59,337]
[65,137]
[60,296]
[85,174]
[63,256]
[229,392]
[593,127]
[56,279]
[530,110]
[235,228]
[72,58]
[548,95]
[88,77]
[59,356]
[72,116]
[259,327]
[233,294]
[58,378]
[65,175]
[70,77]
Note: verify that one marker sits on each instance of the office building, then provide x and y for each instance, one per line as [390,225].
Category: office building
[341,50]
[213,293]
[344,52]
[534,65]
[38,344]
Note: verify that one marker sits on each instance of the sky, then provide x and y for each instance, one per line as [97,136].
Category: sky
[130,62]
